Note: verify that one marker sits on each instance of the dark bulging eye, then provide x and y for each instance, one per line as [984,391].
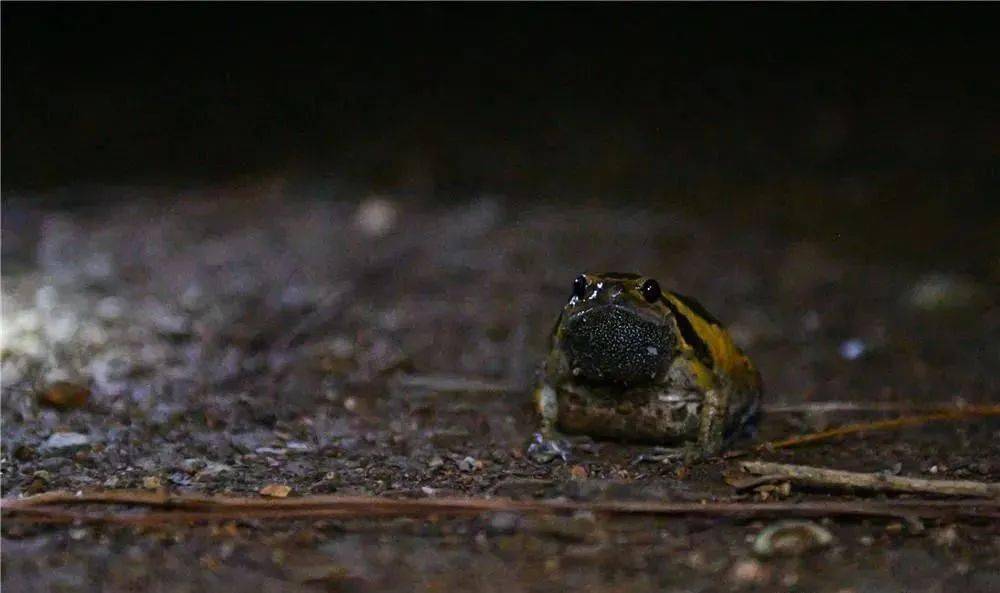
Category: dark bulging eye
[580,286]
[651,290]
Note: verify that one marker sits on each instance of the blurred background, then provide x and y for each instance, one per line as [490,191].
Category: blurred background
[794,113]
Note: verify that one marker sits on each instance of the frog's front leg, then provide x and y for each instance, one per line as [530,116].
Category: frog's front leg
[547,404]
[548,443]
[712,425]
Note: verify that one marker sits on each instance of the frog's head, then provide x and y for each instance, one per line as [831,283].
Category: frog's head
[615,329]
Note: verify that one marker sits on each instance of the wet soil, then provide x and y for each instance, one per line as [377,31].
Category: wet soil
[306,334]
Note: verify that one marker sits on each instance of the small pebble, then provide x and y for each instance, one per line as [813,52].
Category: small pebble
[192,465]
[212,469]
[24,453]
[110,308]
[270,451]
[376,217]
[944,292]
[470,464]
[544,450]
[64,395]
[172,325]
[750,572]
[54,463]
[791,538]
[151,483]
[276,490]
[946,536]
[61,328]
[342,347]
[503,522]
[852,349]
[179,478]
[61,441]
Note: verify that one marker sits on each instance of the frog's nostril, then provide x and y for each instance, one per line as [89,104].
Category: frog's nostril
[610,294]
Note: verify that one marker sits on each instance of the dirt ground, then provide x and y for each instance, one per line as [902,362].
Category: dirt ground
[311,335]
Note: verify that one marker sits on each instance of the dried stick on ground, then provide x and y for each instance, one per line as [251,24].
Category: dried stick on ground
[453,383]
[822,407]
[894,424]
[63,507]
[832,478]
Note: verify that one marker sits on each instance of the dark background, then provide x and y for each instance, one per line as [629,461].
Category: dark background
[875,112]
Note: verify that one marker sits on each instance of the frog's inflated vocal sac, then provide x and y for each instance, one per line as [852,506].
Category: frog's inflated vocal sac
[633,362]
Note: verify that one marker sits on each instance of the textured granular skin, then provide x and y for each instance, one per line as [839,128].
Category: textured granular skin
[616,346]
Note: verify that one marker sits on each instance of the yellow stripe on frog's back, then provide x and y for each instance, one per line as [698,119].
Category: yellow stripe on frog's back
[727,357]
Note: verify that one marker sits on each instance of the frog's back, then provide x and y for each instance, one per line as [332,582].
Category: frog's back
[712,345]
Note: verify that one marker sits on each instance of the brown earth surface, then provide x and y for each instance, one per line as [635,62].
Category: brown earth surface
[310,335]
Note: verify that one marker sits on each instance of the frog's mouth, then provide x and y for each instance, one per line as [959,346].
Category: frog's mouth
[611,344]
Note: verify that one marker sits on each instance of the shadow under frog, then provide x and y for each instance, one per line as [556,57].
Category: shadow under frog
[629,361]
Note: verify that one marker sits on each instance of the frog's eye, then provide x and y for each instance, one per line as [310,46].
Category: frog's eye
[580,286]
[650,290]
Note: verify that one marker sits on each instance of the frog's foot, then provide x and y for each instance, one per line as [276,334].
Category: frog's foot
[547,446]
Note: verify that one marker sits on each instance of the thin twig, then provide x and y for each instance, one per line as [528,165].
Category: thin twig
[748,483]
[853,406]
[166,500]
[893,424]
[60,507]
[831,478]
[453,384]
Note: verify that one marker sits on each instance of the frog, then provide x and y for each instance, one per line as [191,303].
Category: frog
[630,361]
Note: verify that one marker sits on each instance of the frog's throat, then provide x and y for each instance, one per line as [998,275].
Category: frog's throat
[609,344]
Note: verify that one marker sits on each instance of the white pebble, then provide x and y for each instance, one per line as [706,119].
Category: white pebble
[852,349]
[376,217]
[110,308]
[65,440]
